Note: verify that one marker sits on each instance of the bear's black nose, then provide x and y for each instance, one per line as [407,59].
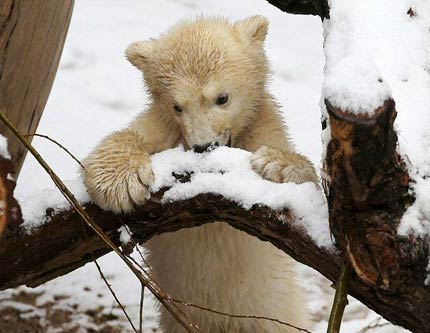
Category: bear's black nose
[205,147]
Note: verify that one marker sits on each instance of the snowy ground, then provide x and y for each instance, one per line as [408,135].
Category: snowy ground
[96,91]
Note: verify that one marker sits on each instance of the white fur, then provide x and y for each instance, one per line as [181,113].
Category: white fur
[214,265]
[225,269]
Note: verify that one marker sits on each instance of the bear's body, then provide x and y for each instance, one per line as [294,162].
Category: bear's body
[207,79]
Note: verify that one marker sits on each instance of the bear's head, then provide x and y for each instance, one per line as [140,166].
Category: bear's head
[208,74]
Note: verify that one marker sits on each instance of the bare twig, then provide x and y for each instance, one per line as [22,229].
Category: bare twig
[373,324]
[142,298]
[189,304]
[115,296]
[135,244]
[58,144]
[142,291]
[175,311]
[340,300]
[221,313]
[108,284]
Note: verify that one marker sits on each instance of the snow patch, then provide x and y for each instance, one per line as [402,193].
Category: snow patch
[227,172]
[124,235]
[224,171]
[356,85]
[427,280]
[34,209]
[416,218]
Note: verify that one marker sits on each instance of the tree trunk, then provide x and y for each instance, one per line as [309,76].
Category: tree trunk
[32,35]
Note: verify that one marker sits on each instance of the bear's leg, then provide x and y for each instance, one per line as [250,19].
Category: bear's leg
[224,269]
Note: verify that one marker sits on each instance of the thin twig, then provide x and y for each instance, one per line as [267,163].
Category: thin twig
[138,250]
[373,324]
[168,298]
[181,317]
[221,313]
[340,300]
[58,144]
[114,295]
[200,307]
[108,284]
[142,291]
[142,298]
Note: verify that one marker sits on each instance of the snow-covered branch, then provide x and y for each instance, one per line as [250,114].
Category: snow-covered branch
[289,216]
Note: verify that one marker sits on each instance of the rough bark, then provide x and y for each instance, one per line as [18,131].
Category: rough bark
[10,212]
[305,7]
[367,197]
[32,35]
[63,244]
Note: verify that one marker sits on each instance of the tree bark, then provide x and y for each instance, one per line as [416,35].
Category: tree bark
[304,7]
[367,197]
[32,35]
[10,212]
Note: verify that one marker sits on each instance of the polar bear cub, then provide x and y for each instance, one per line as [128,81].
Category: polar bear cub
[207,80]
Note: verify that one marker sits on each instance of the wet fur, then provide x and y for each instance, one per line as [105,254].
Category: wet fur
[214,265]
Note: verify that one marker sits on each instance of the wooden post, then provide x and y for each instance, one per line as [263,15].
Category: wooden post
[32,35]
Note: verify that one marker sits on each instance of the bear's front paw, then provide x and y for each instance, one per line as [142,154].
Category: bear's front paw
[283,166]
[119,188]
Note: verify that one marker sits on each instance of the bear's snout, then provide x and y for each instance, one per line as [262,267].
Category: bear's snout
[205,147]
[209,146]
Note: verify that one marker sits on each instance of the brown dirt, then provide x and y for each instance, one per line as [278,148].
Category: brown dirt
[33,318]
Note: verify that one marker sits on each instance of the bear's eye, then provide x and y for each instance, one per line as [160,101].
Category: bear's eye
[177,108]
[221,99]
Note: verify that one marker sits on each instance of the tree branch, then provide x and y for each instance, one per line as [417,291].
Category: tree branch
[59,246]
[305,7]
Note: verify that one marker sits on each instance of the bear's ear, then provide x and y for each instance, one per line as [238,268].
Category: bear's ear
[253,29]
[139,53]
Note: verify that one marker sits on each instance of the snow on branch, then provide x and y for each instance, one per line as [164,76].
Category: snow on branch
[189,189]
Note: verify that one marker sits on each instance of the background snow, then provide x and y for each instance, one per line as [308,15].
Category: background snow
[96,91]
